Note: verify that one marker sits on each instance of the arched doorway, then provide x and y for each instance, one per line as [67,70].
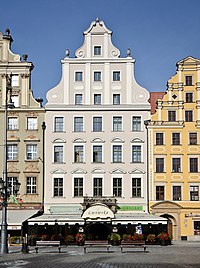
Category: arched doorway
[171,222]
[97,231]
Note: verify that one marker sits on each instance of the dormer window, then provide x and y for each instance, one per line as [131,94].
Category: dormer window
[116,76]
[97,76]
[15,80]
[188,80]
[78,76]
[97,50]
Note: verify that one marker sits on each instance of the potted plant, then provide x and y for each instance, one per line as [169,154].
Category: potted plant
[151,238]
[137,237]
[80,239]
[115,239]
[164,239]
[126,237]
[69,239]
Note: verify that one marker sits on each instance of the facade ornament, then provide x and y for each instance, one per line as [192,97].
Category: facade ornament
[25,57]
[128,52]
[67,53]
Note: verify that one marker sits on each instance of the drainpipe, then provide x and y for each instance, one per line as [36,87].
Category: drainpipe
[146,122]
[43,162]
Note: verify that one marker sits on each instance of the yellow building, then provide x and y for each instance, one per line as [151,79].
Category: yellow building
[174,153]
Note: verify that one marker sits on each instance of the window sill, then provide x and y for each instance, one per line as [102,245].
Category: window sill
[137,162]
[31,160]
[12,160]
[97,162]
[59,131]
[32,129]
[58,162]
[78,162]
[117,162]
[16,129]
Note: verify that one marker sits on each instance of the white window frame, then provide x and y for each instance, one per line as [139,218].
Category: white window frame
[117,116]
[101,177]
[13,123]
[142,152]
[75,145]
[32,125]
[12,152]
[31,185]
[112,151]
[101,78]
[54,123]
[117,176]
[15,80]
[78,99]
[75,76]
[141,125]
[95,46]
[176,184]
[116,72]
[58,196]
[99,116]
[78,116]
[73,186]
[142,186]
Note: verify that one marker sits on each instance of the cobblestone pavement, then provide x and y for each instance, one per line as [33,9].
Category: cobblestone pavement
[180,255]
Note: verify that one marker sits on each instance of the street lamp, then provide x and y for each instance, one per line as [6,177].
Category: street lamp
[4,182]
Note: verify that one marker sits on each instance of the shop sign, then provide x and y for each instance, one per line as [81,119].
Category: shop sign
[65,210]
[98,211]
[131,208]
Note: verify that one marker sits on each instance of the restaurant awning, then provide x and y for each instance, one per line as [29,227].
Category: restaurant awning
[53,219]
[15,218]
[138,218]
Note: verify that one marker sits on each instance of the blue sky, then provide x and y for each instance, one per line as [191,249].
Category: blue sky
[159,33]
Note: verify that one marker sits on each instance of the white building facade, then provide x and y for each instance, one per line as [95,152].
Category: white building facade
[96,140]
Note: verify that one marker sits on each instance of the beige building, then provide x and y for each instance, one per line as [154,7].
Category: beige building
[96,160]
[174,153]
[24,136]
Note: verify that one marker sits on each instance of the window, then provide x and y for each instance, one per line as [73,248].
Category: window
[188,80]
[78,154]
[159,165]
[31,151]
[97,124]
[97,50]
[116,76]
[78,76]
[15,80]
[136,153]
[58,154]
[97,154]
[136,124]
[58,124]
[97,99]
[117,123]
[12,123]
[78,187]
[176,165]
[31,185]
[97,76]
[175,138]
[136,187]
[188,116]
[176,193]
[116,99]
[78,99]
[11,185]
[160,192]
[159,139]
[189,97]
[12,152]
[172,116]
[78,124]
[58,187]
[31,123]
[117,186]
[117,153]
[194,193]
[196,227]
[193,138]
[193,164]
[97,186]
